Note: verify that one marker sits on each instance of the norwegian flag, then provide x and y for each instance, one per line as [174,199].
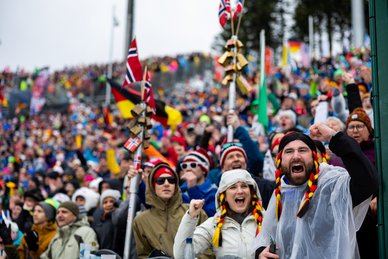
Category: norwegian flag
[238,9]
[132,144]
[224,12]
[134,71]
[149,96]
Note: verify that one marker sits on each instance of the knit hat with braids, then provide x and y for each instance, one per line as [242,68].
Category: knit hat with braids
[228,179]
[311,182]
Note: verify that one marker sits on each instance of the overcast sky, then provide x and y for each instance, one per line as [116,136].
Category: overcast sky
[58,33]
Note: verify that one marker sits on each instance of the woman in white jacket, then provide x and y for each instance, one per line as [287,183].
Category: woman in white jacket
[235,225]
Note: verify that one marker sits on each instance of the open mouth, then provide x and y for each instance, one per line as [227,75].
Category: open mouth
[236,166]
[240,201]
[297,168]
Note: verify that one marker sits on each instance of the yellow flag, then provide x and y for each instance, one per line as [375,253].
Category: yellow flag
[113,166]
[78,141]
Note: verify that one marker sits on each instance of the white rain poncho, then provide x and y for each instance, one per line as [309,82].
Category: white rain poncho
[327,230]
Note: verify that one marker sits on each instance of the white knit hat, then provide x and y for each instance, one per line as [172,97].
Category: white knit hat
[231,177]
[289,113]
[115,194]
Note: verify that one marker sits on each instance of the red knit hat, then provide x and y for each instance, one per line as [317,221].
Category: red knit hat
[180,140]
[230,147]
[163,170]
[360,115]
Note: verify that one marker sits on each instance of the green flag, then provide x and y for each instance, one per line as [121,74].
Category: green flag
[263,104]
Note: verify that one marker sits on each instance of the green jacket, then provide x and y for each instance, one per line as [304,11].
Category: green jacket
[66,243]
[155,228]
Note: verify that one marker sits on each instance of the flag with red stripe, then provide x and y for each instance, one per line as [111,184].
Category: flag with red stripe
[133,67]
[148,94]
[126,100]
[238,9]
[224,12]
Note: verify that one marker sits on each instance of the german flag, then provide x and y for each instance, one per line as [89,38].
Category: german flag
[127,98]
[108,119]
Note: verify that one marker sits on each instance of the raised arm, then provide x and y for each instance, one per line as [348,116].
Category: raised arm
[187,228]
[364,179]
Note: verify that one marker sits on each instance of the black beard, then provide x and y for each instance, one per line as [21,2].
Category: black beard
[286,170]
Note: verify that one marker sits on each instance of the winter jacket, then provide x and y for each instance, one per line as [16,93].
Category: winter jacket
[236,238]
[339,192]
[206,191]
[105,230]
[255,157]
[155,228]
[66,243]
[111,227]
[45,234]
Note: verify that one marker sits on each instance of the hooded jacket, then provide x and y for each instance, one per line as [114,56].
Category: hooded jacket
[66,243]
[237,237]
[155,228]
[45,235]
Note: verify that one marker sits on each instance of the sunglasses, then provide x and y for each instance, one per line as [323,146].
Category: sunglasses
[189,164]
[162,180]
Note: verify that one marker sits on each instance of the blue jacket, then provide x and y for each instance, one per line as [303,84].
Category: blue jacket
[206,191]
[255,157]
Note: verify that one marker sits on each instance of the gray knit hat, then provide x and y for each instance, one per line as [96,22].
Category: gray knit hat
[71,206]
[48,210]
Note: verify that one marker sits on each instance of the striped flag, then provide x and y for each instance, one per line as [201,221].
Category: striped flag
[224,12]
[134,71]
[149,96]
[238,9]
[126,99]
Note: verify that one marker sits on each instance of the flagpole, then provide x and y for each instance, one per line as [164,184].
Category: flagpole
[134,186]
[311,39]
[110,64]
[240,16]
[262,57]
[232,86]
[232,92]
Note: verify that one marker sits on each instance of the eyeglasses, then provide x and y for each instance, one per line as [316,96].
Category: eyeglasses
[359,127]
[230,144]
[191,164]
[162,180]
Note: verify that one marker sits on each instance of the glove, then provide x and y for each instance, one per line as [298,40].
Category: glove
[5,234]
[32,239]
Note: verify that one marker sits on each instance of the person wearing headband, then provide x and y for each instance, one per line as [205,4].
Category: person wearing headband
[316,208]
